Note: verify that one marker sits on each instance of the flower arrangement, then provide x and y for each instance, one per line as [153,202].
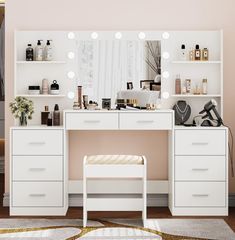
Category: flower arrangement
[23,109]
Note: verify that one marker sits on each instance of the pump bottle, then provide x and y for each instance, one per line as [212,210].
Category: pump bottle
[39,51]
[48,52]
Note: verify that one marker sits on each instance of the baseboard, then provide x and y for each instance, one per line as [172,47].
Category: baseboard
[154,200]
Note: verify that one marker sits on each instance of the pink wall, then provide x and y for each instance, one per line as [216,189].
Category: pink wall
[123,15]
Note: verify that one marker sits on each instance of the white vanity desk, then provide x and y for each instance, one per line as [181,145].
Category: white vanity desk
[198,162]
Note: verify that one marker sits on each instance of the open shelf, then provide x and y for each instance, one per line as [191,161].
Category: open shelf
[196,62]
[40,96]
[195,96]
[41,62]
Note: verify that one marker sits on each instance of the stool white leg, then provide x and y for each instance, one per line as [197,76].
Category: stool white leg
[84,194]
[144,212]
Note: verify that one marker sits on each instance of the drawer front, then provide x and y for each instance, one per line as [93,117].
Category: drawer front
[91,121]
[37,194]
[37,142]
[37,168]
[146,121]
[200,168]
[200,194]
[200,142]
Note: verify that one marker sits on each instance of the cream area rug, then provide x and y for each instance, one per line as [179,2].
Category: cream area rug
[158,229]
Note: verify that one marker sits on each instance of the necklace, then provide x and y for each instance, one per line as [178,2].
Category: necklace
[182,113]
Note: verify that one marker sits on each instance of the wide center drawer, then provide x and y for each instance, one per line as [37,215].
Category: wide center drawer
[91,121]
[37,168]
[200,168]
[200,194]
[146,121]
[200,142]
[37,194]
[37,142]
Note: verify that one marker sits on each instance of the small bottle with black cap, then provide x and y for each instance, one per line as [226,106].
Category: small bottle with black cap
[183,53]
[197,53]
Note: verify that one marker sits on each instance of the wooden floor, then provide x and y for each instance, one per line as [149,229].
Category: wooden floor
[76,212]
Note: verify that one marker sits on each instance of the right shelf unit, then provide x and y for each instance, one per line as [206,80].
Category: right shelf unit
[212,69]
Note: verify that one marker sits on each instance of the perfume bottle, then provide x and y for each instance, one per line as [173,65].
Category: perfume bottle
[183,53]
[191,54]
[49,119]
[197,53]
[188,86]
[205,54]
[44,115]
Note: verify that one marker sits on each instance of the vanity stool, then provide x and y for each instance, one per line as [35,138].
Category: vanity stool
[114,167]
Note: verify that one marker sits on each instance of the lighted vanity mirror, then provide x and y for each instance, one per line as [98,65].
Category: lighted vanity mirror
[105,66]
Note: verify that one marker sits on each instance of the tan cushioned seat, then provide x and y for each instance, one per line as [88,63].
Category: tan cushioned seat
[114,159]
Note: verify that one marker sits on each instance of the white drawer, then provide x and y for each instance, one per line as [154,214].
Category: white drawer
[200,168]
[200,194]
[36,168]
[200,142]
[146,121]
[37,194]
[37,142]
[91,121]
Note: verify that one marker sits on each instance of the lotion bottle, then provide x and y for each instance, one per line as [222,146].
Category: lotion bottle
[39,51]
[29,53]
[48,52]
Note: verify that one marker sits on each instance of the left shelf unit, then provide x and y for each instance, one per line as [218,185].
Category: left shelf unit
[32,72]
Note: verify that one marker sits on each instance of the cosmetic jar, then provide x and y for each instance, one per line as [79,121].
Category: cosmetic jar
[34,90]
[106,103]
[76,106]
[121,103]
[55,88]
[131,102]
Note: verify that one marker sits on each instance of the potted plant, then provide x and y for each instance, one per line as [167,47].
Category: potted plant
[23,109]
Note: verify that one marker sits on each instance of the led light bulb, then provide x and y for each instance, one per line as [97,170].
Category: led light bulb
[118,35]
[71,55]
[94,35]
[142,35]
[166,74]
[71,74]
[71,95]
[165,35]
[71,35]
[165,95]
[166,55]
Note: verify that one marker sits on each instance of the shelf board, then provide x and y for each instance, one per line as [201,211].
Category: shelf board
[40,62]
[196,62]
[40,96]
[195,96]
